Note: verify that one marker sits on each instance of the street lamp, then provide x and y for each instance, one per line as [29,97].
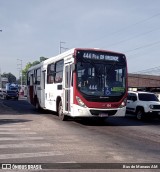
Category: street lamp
[0,74]
[0,79]
[20,68]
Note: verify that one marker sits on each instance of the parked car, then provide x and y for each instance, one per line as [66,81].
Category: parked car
[143,104]
[12,93]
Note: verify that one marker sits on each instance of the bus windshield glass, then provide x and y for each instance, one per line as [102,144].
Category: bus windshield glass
[101,75]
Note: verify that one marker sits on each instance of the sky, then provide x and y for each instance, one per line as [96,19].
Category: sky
[35,28]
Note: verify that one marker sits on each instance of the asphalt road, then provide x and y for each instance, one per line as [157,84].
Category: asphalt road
[27,136]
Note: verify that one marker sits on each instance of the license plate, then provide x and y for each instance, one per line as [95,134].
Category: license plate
[103,115]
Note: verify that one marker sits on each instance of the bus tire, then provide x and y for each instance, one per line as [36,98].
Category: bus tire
[38,108]
[61,115]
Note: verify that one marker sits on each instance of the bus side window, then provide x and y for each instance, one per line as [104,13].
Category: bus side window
[38,77]
[58,71]
[28,79]
[50,73]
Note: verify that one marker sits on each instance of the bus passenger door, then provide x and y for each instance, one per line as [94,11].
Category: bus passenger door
[43,89]
[67,89]
[30,91]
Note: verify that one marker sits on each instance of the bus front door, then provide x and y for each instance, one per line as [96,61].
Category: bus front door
[67,89]
[43,89]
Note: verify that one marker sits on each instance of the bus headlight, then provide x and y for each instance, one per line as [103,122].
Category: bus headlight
[123,104]
[80,102]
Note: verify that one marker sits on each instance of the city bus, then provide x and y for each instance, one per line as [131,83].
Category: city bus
[80,82]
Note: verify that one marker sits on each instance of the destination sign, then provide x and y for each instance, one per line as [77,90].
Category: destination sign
[94,56]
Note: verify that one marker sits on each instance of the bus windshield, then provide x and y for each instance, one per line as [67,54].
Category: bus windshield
[101,78]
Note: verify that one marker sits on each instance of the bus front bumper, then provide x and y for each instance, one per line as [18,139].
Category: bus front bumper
[78,111]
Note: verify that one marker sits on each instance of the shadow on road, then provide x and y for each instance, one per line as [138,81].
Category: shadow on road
[9,121]
[22,107]
[117,121]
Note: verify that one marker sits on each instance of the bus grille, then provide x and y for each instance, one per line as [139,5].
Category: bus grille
[109,112]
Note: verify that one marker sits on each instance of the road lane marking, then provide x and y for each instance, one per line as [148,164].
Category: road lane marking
[17,133]
[30,155]
[21,138]
[13,129]
[26,145]
[15,126]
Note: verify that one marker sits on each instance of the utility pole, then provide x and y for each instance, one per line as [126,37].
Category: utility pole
[0,74]
[19,65]
[60,47]
[0,79]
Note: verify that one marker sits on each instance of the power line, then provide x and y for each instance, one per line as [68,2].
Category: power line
[19,64]
[139,22]
[134,24]
[145,46]
[155,70]
[140,53]
[133,37]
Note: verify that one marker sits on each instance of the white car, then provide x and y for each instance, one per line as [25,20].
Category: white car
[143,104]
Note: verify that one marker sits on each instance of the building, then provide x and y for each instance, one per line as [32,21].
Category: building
[141,81]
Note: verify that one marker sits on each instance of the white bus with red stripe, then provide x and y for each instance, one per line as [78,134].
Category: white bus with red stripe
[80,83]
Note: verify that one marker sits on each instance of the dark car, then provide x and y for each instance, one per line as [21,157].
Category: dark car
[11,94]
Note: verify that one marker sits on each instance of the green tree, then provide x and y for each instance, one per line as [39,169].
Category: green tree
[43,59]
[28,65]
[24,72]
[35,63]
